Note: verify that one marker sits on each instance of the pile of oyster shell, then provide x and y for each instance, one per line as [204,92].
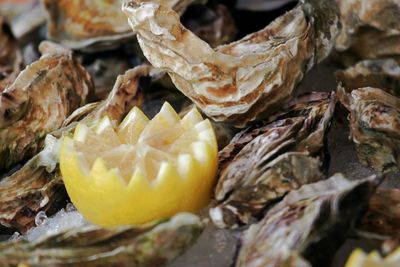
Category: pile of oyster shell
[242,64]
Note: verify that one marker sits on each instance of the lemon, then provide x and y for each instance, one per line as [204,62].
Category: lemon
[140,170]
[360,259]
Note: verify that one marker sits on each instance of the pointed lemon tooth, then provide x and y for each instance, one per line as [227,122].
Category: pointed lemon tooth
[81,132]
[104,123]
[192,117]
[135,116]
[206,133]
[167,179]
[200,151]
[393,257]
[374,256]
[99,168]
[109,179]
[132,126]
[185,165]
[357,258]
[203,125]
[138,182]
[168,112]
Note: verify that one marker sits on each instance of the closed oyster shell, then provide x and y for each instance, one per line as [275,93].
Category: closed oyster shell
[38,101]
[149,245]
[10,56]
[93,24]
[307,226]
[378,73]
[266,161]
[37,186]
[243,80]
[370,29]
[374,126]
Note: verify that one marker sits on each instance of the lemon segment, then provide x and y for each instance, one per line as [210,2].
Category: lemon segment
[360,259]
[140,170]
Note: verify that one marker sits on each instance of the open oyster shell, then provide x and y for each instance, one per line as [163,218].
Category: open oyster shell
[378,73]
[38,102]
[93,24]
[37,185]
[375,126]
[243,80]
[10,56]
[149,245]
[307,226]
[266,161]
[370,29]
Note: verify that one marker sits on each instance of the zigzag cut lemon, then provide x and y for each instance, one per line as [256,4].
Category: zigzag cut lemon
[140,170]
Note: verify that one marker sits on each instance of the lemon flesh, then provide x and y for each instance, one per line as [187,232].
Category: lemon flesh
[140,170]
[360,259]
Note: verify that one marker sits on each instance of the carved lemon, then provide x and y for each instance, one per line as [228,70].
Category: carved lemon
[142,169]
[360,259]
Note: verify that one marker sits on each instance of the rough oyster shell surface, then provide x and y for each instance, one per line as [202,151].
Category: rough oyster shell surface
[378,73]
[370,29]
[38,101]
[375,126]
[266,161]
[10,56]
[243,80]
[143,246]
[93,24]
[317,217]
[383,215]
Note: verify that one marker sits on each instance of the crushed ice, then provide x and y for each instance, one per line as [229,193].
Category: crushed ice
[62,221]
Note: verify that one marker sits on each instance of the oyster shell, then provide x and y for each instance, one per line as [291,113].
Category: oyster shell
[243,80]
[370,28]
[383,216]
[378,73]
[92,24]
[268,160]
[38,102]
[153,244]
[307,226]
[212,23]
[10,56]
[375,126]
[37,185]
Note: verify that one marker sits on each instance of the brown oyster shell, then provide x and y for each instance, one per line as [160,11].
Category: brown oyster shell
[92,25]
[370,29]
[37,185]
[153,244]
[10,56]
[266,161]
[38,101]
[383,216]
[378,73]
[243,80]
[375,126]
[307,226]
